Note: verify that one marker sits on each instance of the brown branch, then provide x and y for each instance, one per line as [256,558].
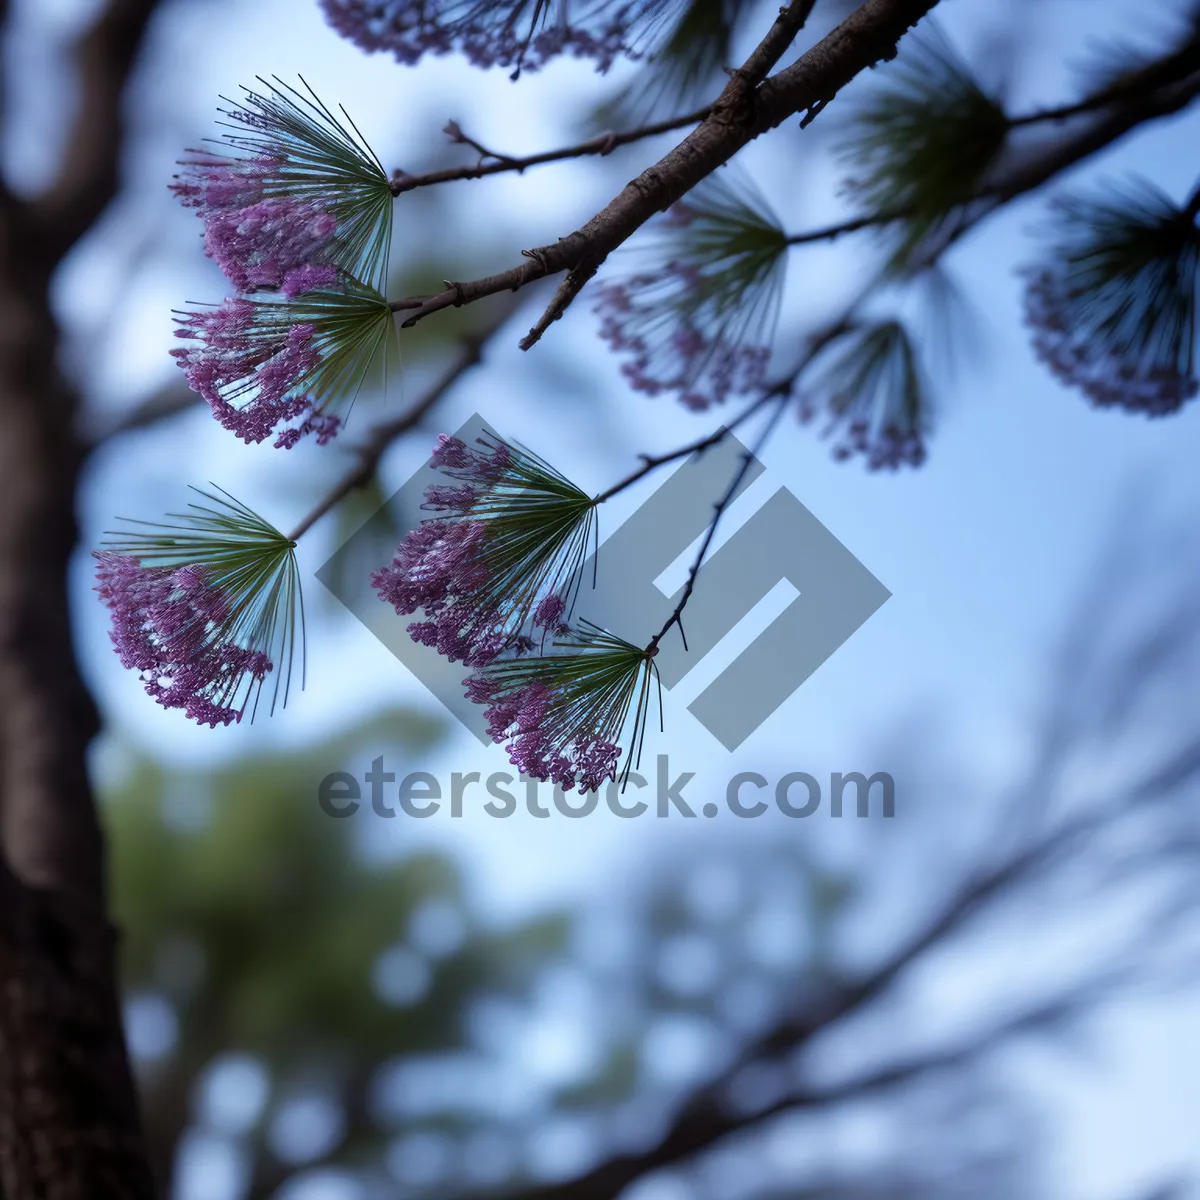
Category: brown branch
[90,170]
[706,1118]
[1138,85]
[867,36]
[170,402]
[1159,89]
[602,144]
[773,47]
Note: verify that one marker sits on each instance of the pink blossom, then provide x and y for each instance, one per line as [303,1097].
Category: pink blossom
[265,372]
[166,626]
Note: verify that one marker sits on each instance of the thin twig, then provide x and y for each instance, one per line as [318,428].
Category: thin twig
[651,462]
[780,395]
[384,434]
[829,232]
[601,144]
[868,35]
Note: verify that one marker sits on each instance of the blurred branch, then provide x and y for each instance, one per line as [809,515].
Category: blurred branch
[1050,1013]
[90,170]
[1160,89]
[383,435]
[161,406]
[1099,835]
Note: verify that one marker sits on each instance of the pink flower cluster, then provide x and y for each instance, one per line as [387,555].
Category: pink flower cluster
[491,34]
[1078,358]
[521,717]
[441,566]
[234,360]
[259,240]
[276,244]
[669,351]
[165,626]
[439,569]
[886,444]
[484,467]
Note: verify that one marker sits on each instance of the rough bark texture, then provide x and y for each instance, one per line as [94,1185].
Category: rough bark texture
[68,1116]
[69,1122]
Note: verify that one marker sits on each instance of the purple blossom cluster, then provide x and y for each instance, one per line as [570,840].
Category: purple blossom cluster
[166,624]
[1079,358]
[261,241]
[887,443]
[441,568]
[646,317]
[275,245]
[238,357]
[521,717]
[493,34]
[483,468]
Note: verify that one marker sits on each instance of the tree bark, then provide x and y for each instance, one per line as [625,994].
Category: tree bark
[69,1123]
[68,1111]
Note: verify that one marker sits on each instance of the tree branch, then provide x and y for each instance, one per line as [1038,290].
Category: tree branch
[706,1118]
[161,406]
[651,462]
[867,36]
[602,144]
[384,434]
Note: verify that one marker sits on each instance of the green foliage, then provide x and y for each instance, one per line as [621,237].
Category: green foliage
[592,685]
[725,234]
[248,563]
[1128,268]
[315,157]
[872,387]
[537,526]
[260,921]
[699,46]
[351,325]
[922,140]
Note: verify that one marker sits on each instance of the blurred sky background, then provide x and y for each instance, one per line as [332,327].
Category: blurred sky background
[984,549]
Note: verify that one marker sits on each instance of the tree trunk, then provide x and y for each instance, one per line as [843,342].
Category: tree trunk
[68,1110]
